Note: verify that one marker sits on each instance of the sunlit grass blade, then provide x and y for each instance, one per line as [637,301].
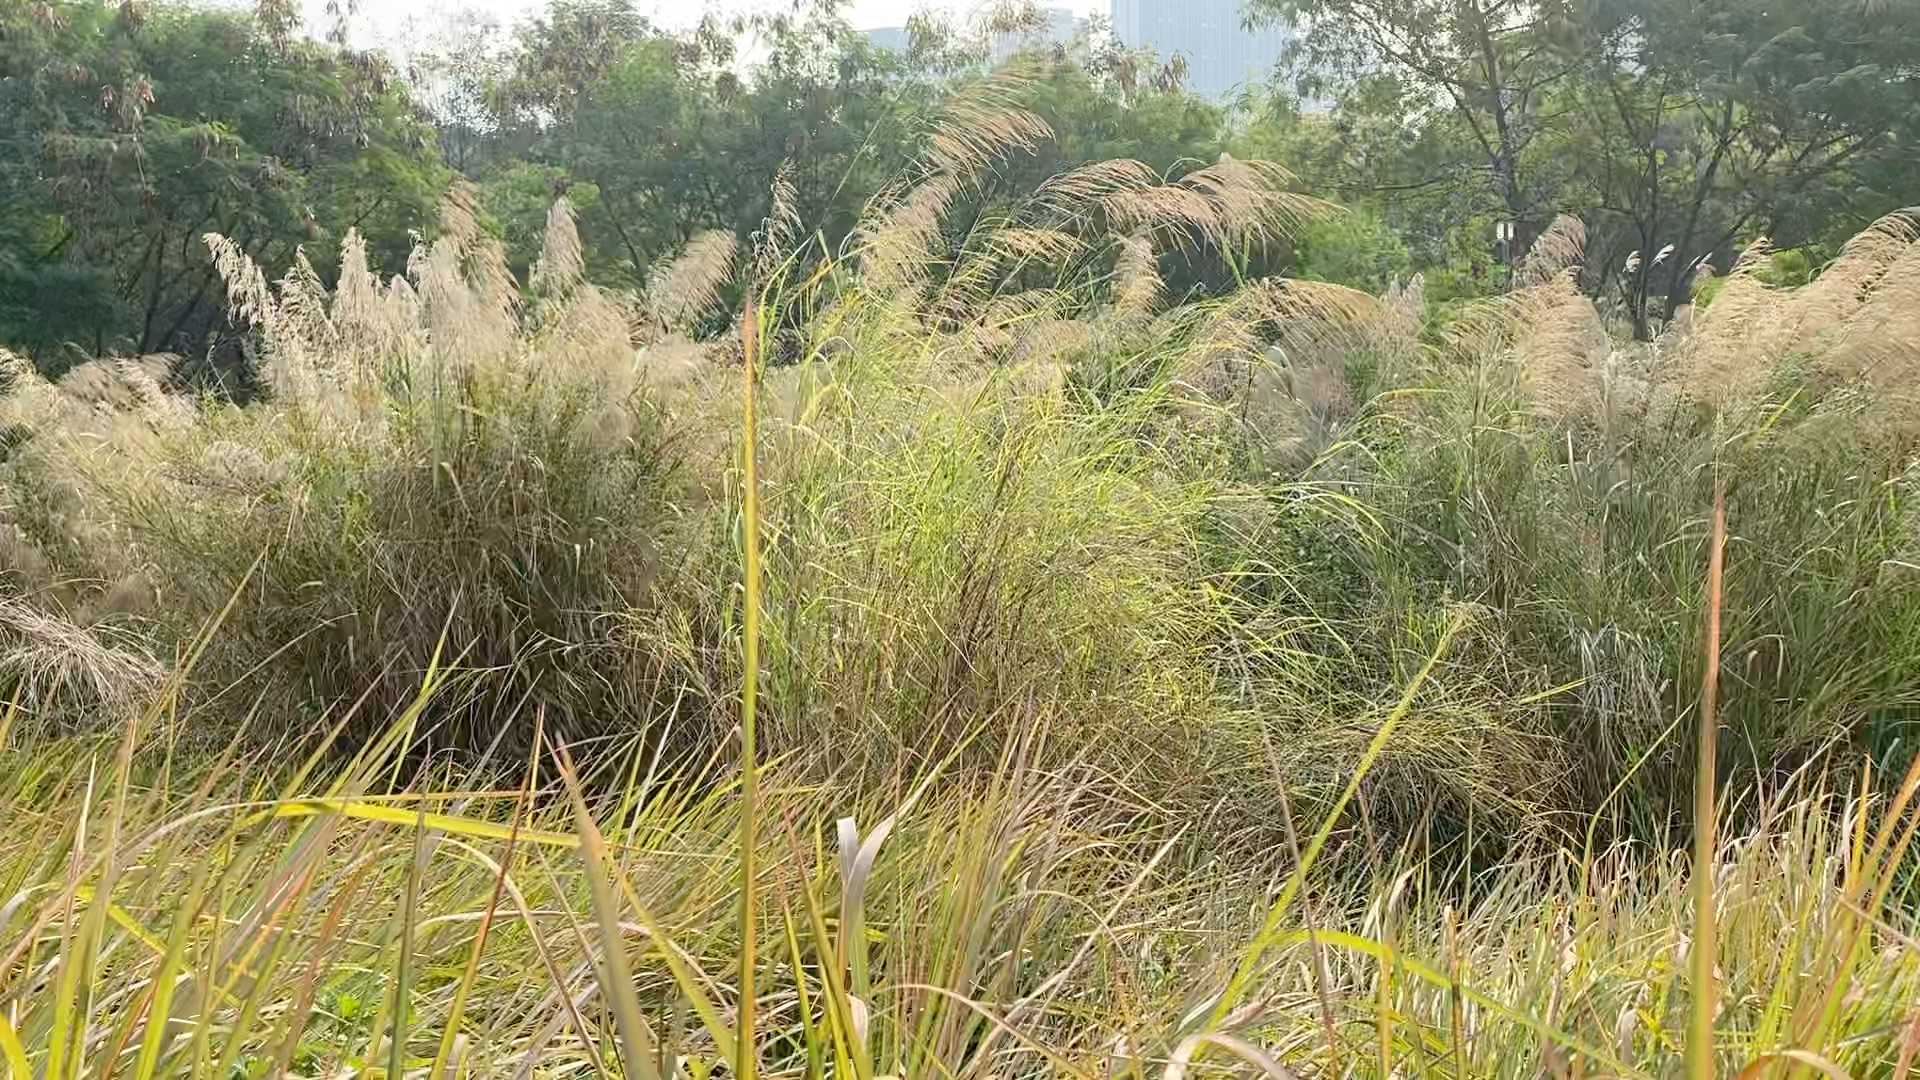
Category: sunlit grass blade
[1704,1005]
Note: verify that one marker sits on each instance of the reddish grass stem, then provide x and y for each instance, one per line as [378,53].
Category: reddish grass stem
[1700,1063]
[749,691]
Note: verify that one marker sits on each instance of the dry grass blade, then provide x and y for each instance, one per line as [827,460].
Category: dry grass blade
[1191,1046]
[638,1048]
[747,1056]
[51,655]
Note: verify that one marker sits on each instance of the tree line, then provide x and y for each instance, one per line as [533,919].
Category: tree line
[1456,130]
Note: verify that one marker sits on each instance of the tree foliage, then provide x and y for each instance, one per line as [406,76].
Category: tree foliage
[1679,130]
[127,133]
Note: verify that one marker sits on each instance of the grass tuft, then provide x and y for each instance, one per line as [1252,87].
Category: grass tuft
[384,724]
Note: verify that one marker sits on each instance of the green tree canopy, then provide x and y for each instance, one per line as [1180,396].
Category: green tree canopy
[126,133]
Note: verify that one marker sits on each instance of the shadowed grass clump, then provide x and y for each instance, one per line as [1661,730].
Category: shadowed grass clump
[433,471]
[976,520]
[1009,481]
[1561,482]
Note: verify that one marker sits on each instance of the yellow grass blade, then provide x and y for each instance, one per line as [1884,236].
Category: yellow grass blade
[12,1052]
[391,815]
[1705,1005]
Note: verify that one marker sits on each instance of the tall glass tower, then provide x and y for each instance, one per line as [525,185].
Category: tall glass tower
[1222,55]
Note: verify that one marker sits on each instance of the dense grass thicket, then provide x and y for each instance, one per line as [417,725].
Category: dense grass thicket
[1291,683]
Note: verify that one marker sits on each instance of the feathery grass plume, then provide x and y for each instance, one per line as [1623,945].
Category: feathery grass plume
[123,384]
[247,296]
[452,311]
[1003,315]
[1139,289]
[1256,200]
[150,401]
[978,124]
[1712,358]
[594,333]
[900,242]
[484,259]
[1845,335]
[1870,296]
[467,293]
[1224,204]
[562,266]
[1218,363]
[1548,338]
[983,121]
[1001,255]
[1272,361]
[300,345]
[1406,300]
[402,343]
[1044,349]
[682,289]
[579,325]
[1558,248]
[303,309]
[981,329]
[1858,274]
[1562,349]
[1317,320]
[773,241]
[1306,322]
[1075,197]
[1037,246]
[302,348]
[356,306]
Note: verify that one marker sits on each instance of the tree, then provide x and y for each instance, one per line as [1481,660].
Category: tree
[1384,153]
[1699,124]
[1487,66]
[1678,129]
[676,137]
[128,135]
[675,141]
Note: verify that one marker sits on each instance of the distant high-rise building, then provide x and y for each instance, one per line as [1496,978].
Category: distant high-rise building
[1222,55]
[1058,26]
[890,37]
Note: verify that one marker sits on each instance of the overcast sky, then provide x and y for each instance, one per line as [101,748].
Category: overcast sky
[401,25]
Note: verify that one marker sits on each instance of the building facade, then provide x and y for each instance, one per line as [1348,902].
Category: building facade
[895,38]
[1222,56]
[1056,26]
[1059,26]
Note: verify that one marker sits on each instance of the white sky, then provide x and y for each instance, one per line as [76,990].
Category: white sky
[401,25]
